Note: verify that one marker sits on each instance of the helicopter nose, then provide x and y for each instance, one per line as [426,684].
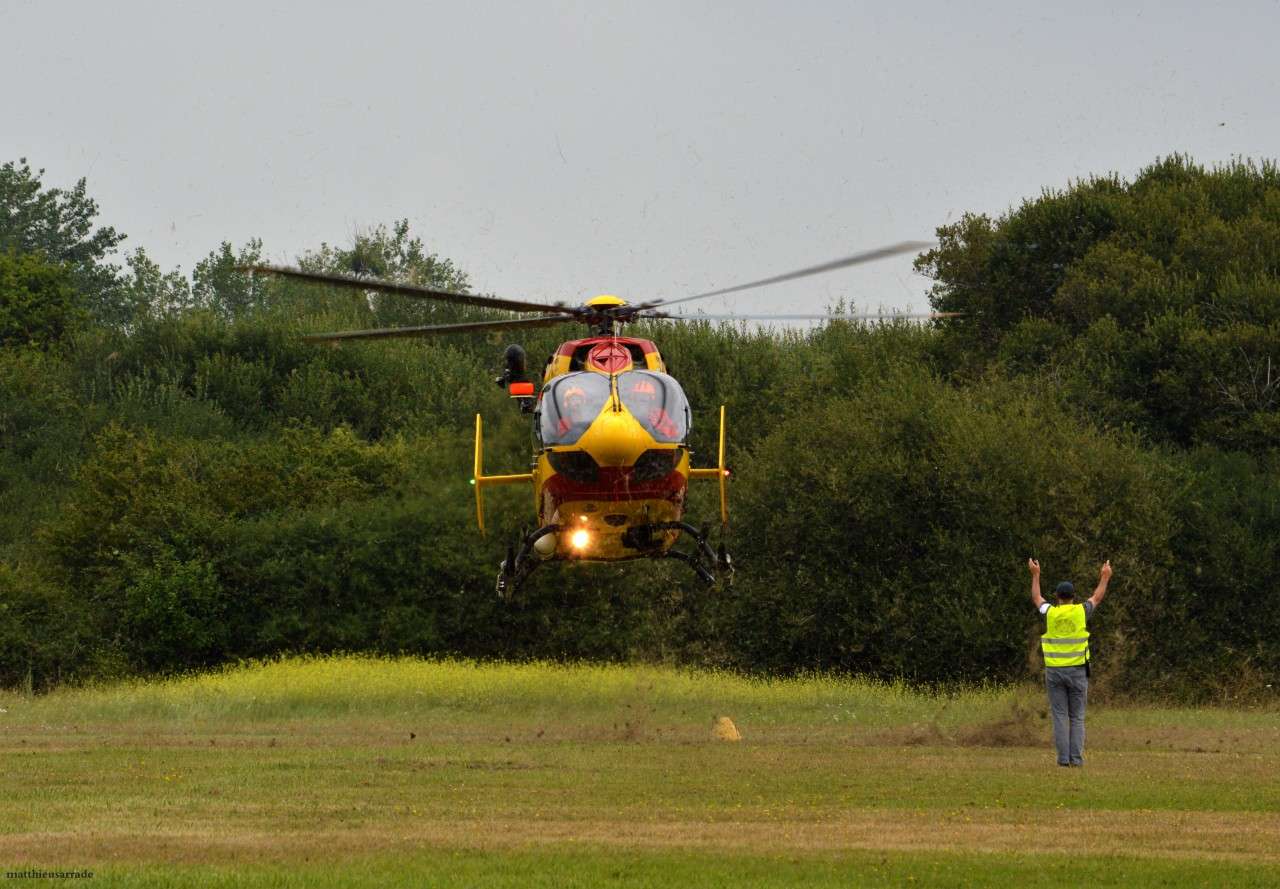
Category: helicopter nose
[615,439]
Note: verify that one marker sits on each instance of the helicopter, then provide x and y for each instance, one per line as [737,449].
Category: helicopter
[611,463]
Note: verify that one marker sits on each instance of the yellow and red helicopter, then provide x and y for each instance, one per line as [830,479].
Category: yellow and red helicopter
[612,464]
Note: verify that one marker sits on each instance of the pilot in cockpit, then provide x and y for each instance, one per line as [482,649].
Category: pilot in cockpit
[575,414]
[647,403]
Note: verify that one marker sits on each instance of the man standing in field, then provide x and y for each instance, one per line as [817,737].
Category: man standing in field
[1065,644]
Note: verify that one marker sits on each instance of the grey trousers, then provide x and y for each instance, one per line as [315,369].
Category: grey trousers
[1068,689]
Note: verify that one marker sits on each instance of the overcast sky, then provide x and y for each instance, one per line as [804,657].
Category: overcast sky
[560,150]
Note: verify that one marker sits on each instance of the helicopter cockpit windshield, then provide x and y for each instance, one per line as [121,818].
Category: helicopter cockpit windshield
[657,402]
[570,405]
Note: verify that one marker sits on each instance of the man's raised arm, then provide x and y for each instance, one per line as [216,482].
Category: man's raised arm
[1104,578]
[1034,567]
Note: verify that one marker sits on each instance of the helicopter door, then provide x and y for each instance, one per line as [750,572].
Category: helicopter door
[570,405]
[657,402]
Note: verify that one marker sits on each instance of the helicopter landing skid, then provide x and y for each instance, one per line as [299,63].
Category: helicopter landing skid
[707,563]
[710,565]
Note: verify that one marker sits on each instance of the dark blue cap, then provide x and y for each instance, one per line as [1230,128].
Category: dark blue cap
[1065,589]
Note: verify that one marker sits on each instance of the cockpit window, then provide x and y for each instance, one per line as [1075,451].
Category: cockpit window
[570,404]
[658,402]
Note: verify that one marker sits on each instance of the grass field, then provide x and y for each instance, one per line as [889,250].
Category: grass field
[362,772]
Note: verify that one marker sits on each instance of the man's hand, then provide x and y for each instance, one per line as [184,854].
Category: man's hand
[1034,567]
[1105,574]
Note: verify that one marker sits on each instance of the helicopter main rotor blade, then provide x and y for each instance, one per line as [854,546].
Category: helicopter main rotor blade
[883,316]
[387,333]
[356,282]
[855,259]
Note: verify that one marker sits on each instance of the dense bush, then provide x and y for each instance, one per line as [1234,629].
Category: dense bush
[38,301]
[881,518]
[887,529]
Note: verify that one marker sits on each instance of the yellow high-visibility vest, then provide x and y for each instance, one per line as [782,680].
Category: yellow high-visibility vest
[1065,642]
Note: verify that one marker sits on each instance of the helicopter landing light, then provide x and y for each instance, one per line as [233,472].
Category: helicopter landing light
[580,538]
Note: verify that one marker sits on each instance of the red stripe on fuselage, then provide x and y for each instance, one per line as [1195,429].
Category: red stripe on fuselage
[615,484]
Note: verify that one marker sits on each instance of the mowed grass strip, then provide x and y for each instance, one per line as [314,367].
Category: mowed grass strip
[558,867]
[327,760]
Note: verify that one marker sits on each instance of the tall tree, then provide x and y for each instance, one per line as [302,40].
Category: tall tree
[219,282]
[60,224]
[153,291]
[1154,303]
[393,253]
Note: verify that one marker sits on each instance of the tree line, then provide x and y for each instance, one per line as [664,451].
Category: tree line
[187,482]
